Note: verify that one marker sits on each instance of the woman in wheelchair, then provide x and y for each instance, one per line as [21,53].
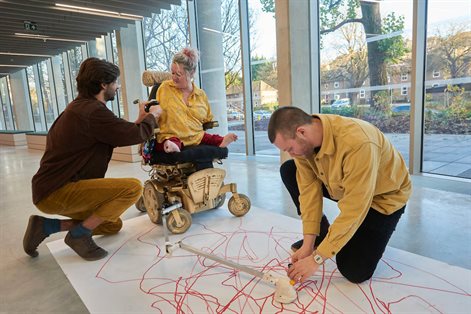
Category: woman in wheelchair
[185,108]
[181,155]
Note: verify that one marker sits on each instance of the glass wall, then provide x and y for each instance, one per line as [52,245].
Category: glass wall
[447,138]
[7,122]
[231,49]
[119,95]
[36,102]
[164,34]
[61,87]
[263,71]
[365,69]
[100,47]
[46,81]
[75,58]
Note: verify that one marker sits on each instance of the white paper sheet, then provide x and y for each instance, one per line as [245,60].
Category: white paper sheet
[137,276]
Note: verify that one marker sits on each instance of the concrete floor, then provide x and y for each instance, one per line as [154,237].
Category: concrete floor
[437,224]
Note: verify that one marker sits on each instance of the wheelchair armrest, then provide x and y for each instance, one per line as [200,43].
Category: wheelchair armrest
[210,125]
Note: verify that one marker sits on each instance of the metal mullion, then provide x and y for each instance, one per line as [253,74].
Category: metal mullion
[247,77]
[419,37]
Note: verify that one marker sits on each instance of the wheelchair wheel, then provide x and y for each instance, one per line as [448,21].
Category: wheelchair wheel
[239,207]
[219,201]
[140,205]
[173,225]
[153,201]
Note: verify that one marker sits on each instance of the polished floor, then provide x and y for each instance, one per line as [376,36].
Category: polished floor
[437,224]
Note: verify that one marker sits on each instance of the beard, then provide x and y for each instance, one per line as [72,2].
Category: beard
[306,148]
[110,94]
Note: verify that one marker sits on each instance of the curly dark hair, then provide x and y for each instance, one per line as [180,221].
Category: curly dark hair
[94,72]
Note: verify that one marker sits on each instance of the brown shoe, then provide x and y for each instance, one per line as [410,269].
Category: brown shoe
[296,245]
[34,235]
[85,247]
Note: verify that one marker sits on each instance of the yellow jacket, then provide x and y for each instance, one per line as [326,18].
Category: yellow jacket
[360,168]
[180,120]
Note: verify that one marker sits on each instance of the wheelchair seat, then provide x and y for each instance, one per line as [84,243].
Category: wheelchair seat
[201,155]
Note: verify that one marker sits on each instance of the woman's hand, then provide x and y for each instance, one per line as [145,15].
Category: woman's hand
[156,111]
[229,138]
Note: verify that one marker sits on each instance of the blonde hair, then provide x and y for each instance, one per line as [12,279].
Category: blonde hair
[188,57]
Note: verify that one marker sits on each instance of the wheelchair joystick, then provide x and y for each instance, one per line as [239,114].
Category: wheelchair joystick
[151,103]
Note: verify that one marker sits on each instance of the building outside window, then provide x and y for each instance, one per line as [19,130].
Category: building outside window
[366,59]
[404,90]
[447,103]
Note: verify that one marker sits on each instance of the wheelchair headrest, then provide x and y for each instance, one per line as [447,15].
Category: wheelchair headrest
[151,78]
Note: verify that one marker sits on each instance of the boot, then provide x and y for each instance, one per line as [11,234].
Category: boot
[85,247]
[34,235]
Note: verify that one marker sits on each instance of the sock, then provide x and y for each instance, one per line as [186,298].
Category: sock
[51,226]
[79,231]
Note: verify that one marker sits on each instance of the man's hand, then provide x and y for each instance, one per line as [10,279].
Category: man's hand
[304,268]
[156,111]
[303,264]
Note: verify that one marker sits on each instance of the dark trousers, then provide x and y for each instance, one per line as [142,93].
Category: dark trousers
[358,259]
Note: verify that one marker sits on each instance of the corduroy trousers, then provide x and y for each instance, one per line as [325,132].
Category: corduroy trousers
[106,198]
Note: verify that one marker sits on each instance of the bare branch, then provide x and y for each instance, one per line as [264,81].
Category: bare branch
[326,31]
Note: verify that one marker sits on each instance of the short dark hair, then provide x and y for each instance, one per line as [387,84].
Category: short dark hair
[94,72]
[286,120]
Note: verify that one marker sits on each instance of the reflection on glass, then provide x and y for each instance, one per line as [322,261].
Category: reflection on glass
[447,139]
[7,117]
[231,50]
[62,85]
[46,93]
[100,47]
[164,34]
[75,58]
[263,70]
[366,64]
[119,96]
[33,92]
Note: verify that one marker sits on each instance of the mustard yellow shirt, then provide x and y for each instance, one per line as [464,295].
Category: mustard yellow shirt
[360,168]
[181,120]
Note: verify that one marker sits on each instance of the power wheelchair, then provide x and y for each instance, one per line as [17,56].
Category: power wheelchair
[186,180]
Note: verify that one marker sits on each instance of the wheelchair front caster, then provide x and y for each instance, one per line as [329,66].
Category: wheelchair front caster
[153,201]
[178,221]
[140,205]
[239,206]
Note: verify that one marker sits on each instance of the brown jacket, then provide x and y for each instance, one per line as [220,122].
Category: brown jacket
[80,143]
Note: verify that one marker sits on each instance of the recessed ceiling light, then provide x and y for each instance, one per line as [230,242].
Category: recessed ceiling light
[85,10]
[24,54]
[13,65]
[45,38]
